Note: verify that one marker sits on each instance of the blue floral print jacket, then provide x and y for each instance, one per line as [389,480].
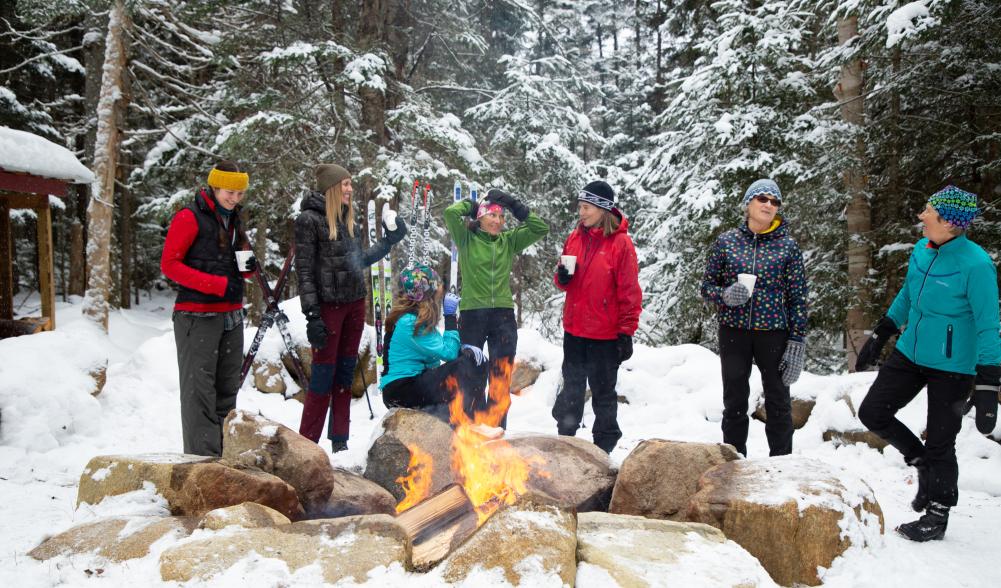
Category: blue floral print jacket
[779,300]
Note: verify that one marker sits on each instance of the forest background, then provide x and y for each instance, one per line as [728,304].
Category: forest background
[860,109]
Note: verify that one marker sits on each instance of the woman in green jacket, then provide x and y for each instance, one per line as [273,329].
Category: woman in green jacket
[486,255]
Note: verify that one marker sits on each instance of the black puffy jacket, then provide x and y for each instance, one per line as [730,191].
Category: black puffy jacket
[332,271]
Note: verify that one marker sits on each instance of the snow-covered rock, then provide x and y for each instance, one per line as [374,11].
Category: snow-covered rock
[115,538]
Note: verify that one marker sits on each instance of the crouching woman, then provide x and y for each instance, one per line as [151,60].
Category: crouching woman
[413,373]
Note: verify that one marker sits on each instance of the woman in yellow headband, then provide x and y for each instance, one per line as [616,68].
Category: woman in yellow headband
[200,255]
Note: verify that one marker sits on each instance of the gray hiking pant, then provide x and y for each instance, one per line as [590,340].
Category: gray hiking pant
[209,359]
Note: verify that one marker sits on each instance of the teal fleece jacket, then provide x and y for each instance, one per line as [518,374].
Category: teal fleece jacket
[948,307]
[410,354]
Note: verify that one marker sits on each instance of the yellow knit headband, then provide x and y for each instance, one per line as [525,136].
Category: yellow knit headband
[226,180]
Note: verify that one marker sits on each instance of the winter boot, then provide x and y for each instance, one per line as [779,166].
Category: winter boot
[338,446]
[931,525]
[920,501]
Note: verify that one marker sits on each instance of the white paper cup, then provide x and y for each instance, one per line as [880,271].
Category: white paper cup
[242,257]
[569,262]
[748,281]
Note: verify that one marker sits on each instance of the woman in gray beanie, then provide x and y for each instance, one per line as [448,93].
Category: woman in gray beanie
[332,270]
[755,278]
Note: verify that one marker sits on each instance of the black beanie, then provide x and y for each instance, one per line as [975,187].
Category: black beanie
[599,194]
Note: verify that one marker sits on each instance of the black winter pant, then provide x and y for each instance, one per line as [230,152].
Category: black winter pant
[594,362]
[497,328]
[737,349]
[428,391]
[898,382]
[209,359]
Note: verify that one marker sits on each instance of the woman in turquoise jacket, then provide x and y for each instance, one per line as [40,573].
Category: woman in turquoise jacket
[413,373]
[948,310]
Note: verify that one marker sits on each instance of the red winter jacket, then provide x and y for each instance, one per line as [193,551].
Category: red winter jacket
[181,234]
[603,297]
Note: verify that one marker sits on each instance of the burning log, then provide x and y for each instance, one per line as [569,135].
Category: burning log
[438,525]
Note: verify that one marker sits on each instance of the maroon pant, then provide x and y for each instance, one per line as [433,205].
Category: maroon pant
[332,372]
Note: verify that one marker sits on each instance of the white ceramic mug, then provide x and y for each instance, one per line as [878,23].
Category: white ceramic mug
[242,257]
[748,281]
[569,262]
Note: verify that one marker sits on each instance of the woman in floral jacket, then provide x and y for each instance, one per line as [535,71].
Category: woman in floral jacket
[764,322]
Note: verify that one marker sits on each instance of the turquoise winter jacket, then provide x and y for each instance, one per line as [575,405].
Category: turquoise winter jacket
[410,354]
[948,307]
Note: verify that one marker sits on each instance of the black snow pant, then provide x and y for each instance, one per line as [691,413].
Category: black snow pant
[209,358]
[737,349]
[898,382]
[591,362]
[429,391]
[498,329]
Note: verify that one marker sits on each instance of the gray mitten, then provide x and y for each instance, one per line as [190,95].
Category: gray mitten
[736,295]
[791,364]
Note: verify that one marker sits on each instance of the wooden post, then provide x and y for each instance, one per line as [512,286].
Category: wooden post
[46,283]
[6,260]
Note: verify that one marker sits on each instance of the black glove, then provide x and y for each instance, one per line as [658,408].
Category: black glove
[474,207]
[985,397]
[394,237]
[869,353]
[625,345]
[517,207]
[563,275]
[252,263]
[234,288]
[316,331]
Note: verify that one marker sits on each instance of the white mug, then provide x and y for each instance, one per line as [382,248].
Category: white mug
[242,257]
[569,262]
[748,281]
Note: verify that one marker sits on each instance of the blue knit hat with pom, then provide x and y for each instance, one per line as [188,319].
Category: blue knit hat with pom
[762,186]
[955,206]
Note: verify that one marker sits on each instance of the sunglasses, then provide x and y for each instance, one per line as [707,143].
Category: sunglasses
[766,200]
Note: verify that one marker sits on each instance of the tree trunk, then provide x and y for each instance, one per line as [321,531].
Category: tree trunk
[99,211]
[125,237]
[849,92]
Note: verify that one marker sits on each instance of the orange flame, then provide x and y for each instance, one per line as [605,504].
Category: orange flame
[417,483]
[491,474]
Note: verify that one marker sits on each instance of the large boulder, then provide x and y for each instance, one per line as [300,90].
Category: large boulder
[658,478]
[792,513]
[342,548]
[255,441]
[574,472]
[355,495]
[528,537]
[116,538]
[637,552]
[389,455]
[191,484]
[249,515]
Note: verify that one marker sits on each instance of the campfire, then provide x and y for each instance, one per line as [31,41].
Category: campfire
[490,471]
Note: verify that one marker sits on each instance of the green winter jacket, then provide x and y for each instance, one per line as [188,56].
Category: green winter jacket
[486,260]
[949,305]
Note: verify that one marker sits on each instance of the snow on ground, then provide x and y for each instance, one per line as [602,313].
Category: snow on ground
[51,427]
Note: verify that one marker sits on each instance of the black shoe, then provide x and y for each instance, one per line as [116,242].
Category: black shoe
[339,446]
[920,502]
[931,526]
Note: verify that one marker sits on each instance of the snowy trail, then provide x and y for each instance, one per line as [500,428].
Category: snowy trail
[52,426]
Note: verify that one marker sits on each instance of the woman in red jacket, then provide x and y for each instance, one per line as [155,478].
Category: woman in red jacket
[600,315]
[200,255]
